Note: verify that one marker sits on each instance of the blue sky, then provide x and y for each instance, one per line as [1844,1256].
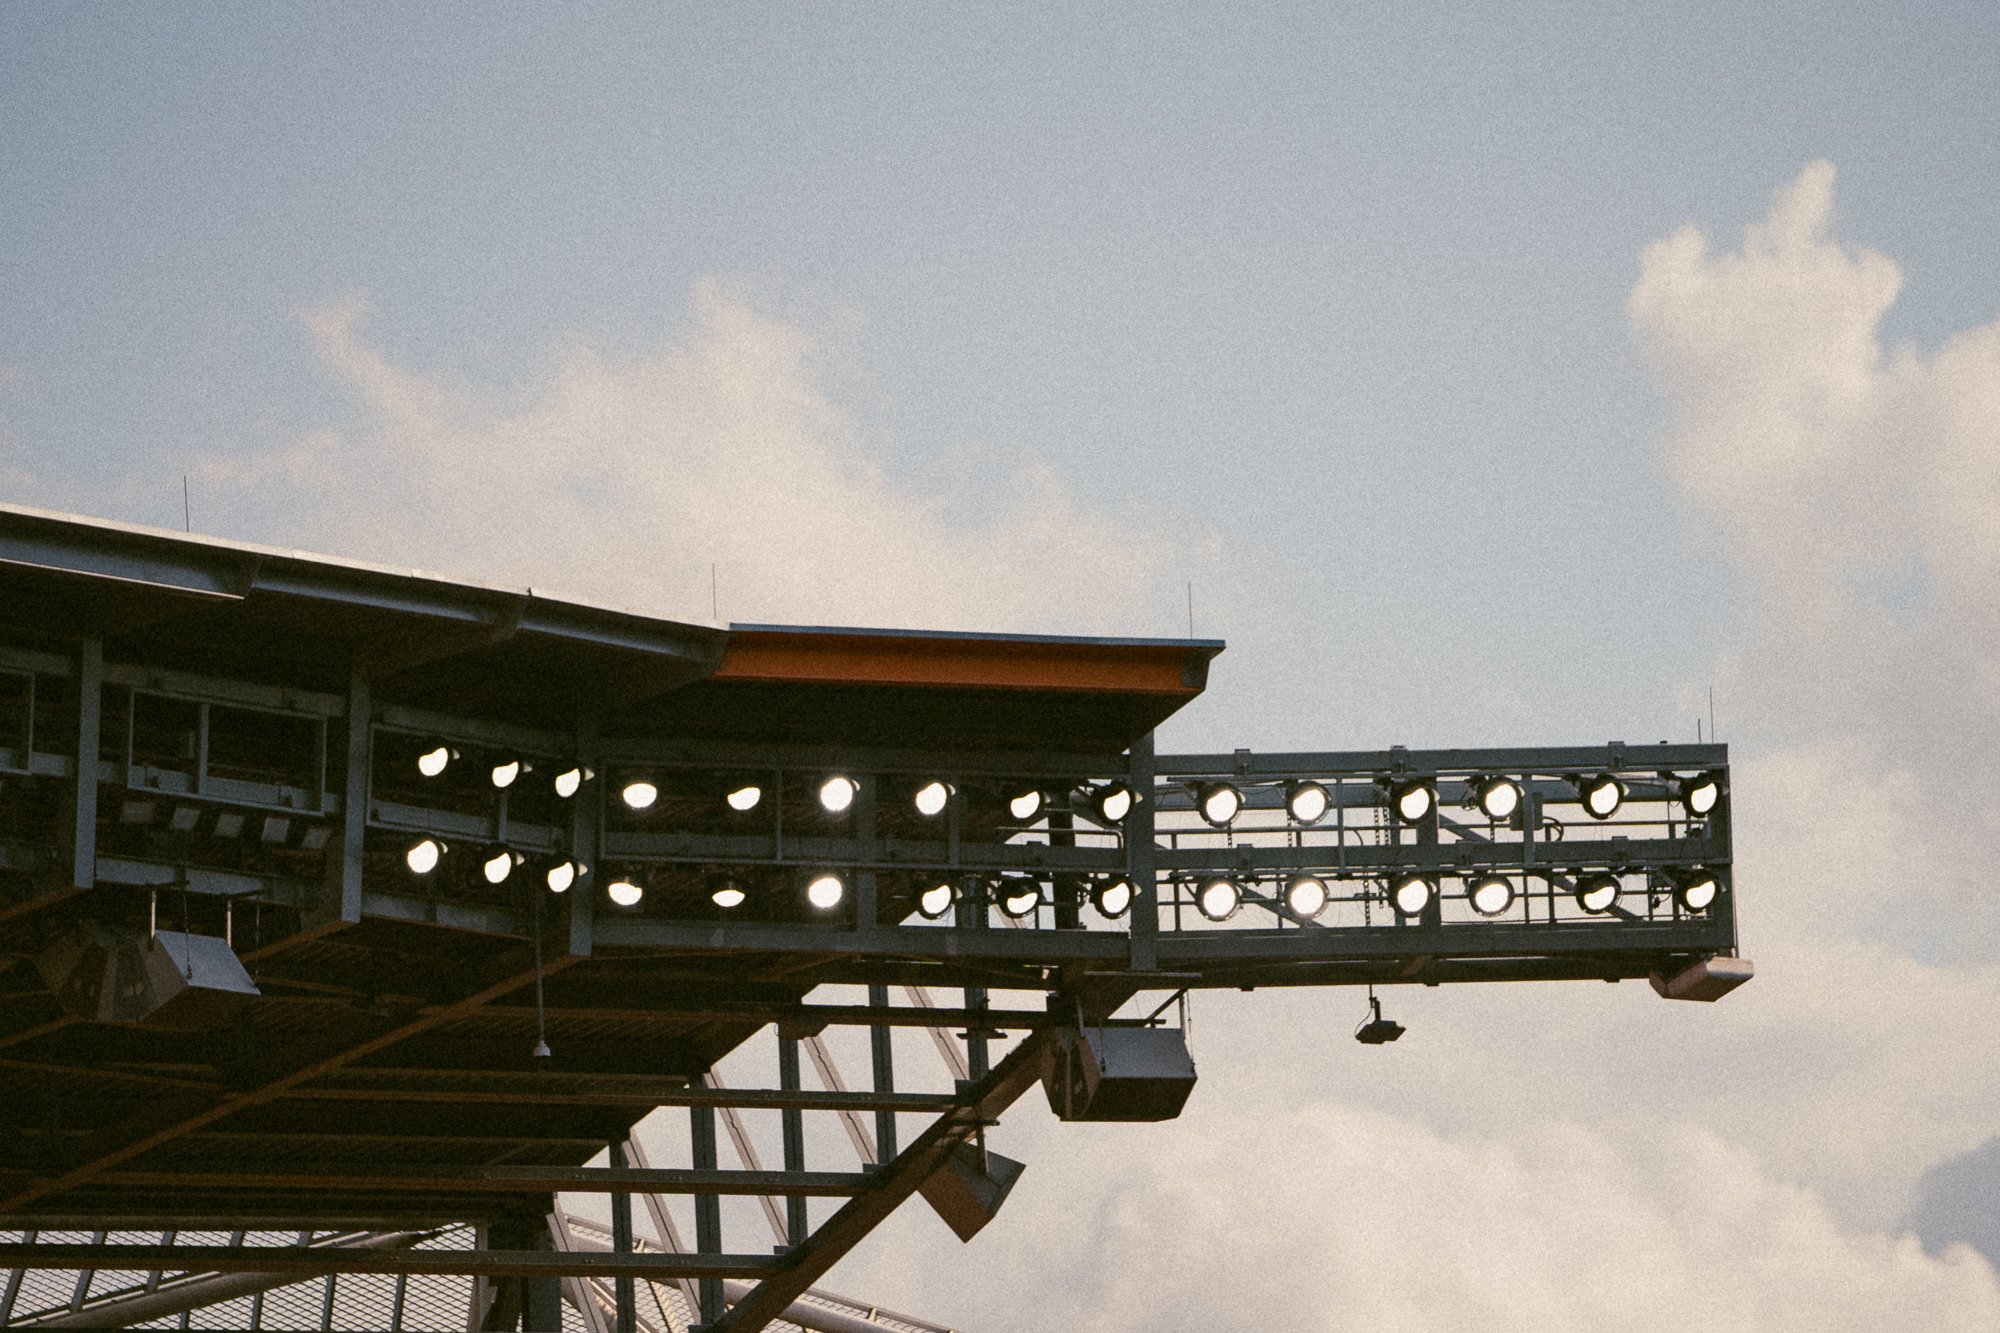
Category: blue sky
[1027,317]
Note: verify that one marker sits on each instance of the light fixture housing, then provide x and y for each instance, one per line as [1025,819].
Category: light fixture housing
[570,781]
[1018,898]
[1490,895]
[936,901]
[1307,802]
[498,863]
[1376,1030]
[1700,794]
[1601,795]
[1219,803]
[837,792]
[825,891]
[744,797]
[424,855]
[624,892]
[1597,894]
[504,774]
[639,794]
[1025,804]
[1218,898]
[1697,890]
[1497,797]
[1307,896]
[435,760]
[1112,802]
[1411,894]
[932,798]
[1112,896]
[562,875]
[1413,799]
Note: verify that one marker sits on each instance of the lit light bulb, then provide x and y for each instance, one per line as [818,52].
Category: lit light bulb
[498,866]
[1113,898]
[432,762]
[745,798]
[1307,802]
[1602,796]
[935,901]
[837,793]
[1499,798]
[1701,794]
[639,795]
[624,892]
[1698,892]
[570,781]
[1025,805]
[1018,900]
[1220,803]
[1113,803]
[1412,894]
[504,774]
[825,892]
[422,858]
[1219,899]
[1596,893]
[1306,895]
[561,875]
[931,799]
[1492,895]
[728,894]
[1413,801]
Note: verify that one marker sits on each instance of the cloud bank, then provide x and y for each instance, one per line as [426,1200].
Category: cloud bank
[626,480]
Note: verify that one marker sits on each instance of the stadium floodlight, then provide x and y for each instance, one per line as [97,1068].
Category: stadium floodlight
[424,855]
[826,890]
[1701,793]
[1306,896]
[1019,897]
[936,900]
[1218,899]
[1596,893]
[499,863]
[1601,795]
[1411,894]
[1491,895]
[570,781]
[639,794]
[1697,891]
[434,760]
[503,774]
[1219,803]
[1025,804]
[1112,802]
[624,892]
[1496,797]
[1306,802]
[931,799]
[837,793]
[728,893]
[1112,896]
[744,798]
[562,875]
[1412,801]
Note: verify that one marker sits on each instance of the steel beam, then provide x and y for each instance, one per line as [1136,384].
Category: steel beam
[312,1262]
[503,1180]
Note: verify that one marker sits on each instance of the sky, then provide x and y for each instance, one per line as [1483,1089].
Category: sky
[1484,375]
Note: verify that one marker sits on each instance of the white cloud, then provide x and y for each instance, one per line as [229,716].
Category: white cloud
[624,480]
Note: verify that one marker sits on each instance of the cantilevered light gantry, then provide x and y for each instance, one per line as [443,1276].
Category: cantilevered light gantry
[335,897]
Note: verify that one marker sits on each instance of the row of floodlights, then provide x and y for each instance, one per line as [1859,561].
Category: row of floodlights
[1217,898]
[1109,802]
[505,772]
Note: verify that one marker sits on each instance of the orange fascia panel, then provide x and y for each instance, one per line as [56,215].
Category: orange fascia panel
[998,664]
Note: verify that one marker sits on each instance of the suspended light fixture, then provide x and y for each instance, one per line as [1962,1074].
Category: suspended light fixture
[744,799]
[423,856]
[1112,802]
[1218,899]
[1026,804]
[1376,1030]
[1019,897]
[1497,798]
[570,781]
[727,894]
[1697,891]
[1306,895]
[1412,801]
[504,774]
[1307,802]
[936,900]
[499,863]
[825,891]
[931,799]
[1411,894]
[1701,794]
[562,875]
[639,794]
[624,892]
[837,793]
[1601,795]
[1491,895]
[1112,897]
[1219,803]
[1596,893]
[434,760]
